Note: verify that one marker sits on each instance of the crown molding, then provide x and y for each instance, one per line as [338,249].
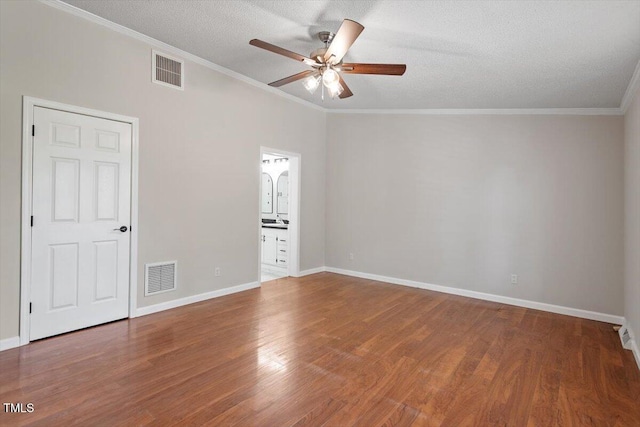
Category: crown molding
[490,111]
[633,87]
[58,4]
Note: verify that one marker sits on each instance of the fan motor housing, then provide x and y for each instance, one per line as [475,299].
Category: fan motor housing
[318,54]
[326,37]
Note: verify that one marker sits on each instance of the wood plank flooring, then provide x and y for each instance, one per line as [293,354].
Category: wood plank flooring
[329,350]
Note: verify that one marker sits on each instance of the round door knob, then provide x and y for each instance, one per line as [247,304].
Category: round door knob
[123,229]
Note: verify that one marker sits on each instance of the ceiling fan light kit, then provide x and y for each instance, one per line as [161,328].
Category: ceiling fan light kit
[326,62]
[335,90]
[311,83]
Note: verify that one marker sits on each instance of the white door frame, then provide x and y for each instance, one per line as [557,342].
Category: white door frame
[295,163]
[28,105]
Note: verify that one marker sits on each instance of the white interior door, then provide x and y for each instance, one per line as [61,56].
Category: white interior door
[81,222]
[267,190]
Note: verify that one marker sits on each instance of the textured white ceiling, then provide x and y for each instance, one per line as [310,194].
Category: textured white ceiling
[459,54]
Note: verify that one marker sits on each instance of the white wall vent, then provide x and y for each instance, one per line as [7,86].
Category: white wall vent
[625,337]
[167,70]
[160,277]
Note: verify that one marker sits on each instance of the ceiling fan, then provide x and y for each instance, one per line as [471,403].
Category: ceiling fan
[326,62]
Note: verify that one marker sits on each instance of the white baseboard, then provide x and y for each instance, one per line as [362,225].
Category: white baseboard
[143,311]
[632,344]
[311,271]
[636,352]
[13,342]
[282,271]
[8,343]
[576,312]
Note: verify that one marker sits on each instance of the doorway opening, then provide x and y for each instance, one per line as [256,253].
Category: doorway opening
[279,214]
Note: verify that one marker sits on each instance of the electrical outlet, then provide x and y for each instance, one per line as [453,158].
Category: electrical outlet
[350,256]
[514,279]
[217,272]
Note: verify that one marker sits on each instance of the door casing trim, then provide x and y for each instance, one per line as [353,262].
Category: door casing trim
[28,105]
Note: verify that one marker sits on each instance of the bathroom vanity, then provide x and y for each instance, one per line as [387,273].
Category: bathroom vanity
[275,248]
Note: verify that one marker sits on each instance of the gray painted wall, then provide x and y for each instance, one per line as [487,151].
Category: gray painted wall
[632,216]
[464,201]
[199,150]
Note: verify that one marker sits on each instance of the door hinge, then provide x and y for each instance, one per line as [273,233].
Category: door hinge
[30,307]
[32,220]
[33,130]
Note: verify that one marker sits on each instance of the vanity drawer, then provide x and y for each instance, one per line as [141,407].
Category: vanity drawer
[282,254]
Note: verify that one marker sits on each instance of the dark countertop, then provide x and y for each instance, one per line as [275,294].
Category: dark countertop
[279,226]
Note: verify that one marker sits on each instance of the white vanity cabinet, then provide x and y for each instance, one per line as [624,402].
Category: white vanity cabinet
[269,247]
[282,250]
[275,249]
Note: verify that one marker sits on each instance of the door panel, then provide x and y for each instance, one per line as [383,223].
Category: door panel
[65,135]
[81,197]
[66,176]
[106,191]
[106,278]
[63,273]
[108,141]
[269,248]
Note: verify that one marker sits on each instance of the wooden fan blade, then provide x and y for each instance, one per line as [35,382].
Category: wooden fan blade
[293,78]
[344,38]
[386,69]
[281,51]
[346,92]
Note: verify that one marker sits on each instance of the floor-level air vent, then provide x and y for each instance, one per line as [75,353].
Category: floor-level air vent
[160,277]
[625,337]
[167,70]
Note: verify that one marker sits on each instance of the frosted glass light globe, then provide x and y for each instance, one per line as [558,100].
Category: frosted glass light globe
[330,77]
[311,83]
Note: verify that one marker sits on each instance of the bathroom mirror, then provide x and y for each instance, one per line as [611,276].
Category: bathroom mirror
[283,193]
[267,194]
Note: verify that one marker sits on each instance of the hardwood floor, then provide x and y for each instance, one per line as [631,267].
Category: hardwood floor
[329,350]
